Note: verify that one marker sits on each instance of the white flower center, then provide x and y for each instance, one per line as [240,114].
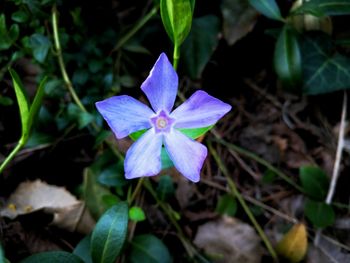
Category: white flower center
[161,122]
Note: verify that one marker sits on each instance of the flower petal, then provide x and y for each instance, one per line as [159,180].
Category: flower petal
[125,115]
[160,86]
[200,110]
[187,155]
[143,157]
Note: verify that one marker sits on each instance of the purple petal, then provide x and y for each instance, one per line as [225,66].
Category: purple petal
[200,110]
[143,157]
[160,86]
[187,155]
[125,115]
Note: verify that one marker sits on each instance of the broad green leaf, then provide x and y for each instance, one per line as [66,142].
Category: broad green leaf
[109,234]
[268,8]
[82,250]
[226,205]
[22,100]
[177,18]
[166,161]
[36,104]
[20,16]
[136,214]
[113,175]
[110,200]
[319,213]
[2,256]
[40,45]
[324,69]
[324,7]
[7,37]
[149,249]
[287,58]
[93,194]
[53,257]
[314,182]
[165,188]
[200,44]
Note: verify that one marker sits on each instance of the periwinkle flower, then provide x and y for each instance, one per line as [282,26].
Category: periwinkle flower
[126,115]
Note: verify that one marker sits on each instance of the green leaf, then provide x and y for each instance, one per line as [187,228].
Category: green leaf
[200,44]
[226,205]
[325,70]
[149,249]
[109,235]
[22,100]
[2,255]
[196,133]
[40,45]
[83,118]
[319,213]
[165,188]
[324,7]
[287,58]
[7,37]
[166,161]
[53,257]
[5,101]
[113,175]
[93,194]
[314,182]
[82,250]
[20,16]
[137,214]
[268,8]
[177,18]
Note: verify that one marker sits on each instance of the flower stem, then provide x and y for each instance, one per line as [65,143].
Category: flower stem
[240,199]
[176,56]
[12,154]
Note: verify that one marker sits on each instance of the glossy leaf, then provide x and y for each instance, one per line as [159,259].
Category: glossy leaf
[177,19]
[113,175]
[268,8]
[149,249]
[40,45]
[324,7]
[7,37]
[82,250]
[293,245]
[109,234]
[314,182]
[226,205]
[324,69]
[200,44]
[22,100]
[319,213]
[165,188]
[53,257]
[287,58]
[136,214]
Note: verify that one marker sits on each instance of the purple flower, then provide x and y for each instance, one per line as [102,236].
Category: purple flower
[126,115]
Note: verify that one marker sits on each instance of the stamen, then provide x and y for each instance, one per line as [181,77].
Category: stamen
[161,122]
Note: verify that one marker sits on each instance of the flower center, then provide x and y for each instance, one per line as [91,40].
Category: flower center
[162,122]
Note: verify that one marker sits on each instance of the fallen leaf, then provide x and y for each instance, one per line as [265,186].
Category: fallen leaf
[68,212]
[228,240]
[293,245]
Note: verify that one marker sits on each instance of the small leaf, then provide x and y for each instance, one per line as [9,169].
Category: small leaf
[268,8]
[82,250]
[287,58]
[40,45]
[113,175]
[2,256]
[177,19]
[20,16]
[314,182]
[200,44]
[165,187]
[324,7]
[149,249]
[293,245]
[5,101]
[7,37]
[324,69]
[226,205]
[83,118]
[136,214]
[319,213]
[53,257]
[22,100]
[109,234]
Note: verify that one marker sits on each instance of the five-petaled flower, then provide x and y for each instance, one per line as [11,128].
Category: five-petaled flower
[126,115]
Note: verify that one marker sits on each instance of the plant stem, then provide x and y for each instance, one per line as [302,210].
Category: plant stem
[240,199]
[12,154]
[176,56]
[136,28]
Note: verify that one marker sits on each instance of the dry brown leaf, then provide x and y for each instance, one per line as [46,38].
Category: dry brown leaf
[68,212]
[229,241]
[293,245]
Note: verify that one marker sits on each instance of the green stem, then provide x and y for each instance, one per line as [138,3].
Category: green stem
[136,28]
[13,153]
[240,199]
[176,56]
[260,161]
[136,191]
